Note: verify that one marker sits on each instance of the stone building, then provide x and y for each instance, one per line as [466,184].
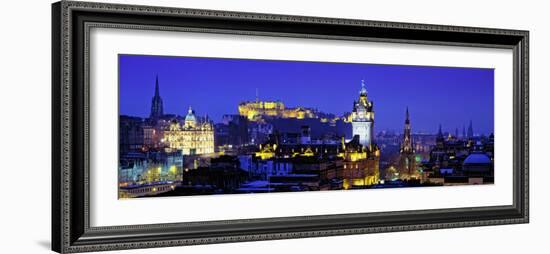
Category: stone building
[193,137]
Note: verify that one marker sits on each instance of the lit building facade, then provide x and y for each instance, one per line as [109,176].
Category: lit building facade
[362,118]
[151,173]
[193,137]
[360,164]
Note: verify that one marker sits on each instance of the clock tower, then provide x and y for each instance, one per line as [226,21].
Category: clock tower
[362,118]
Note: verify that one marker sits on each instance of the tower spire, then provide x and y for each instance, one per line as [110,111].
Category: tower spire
[157,87]
[156,103]
[407,166]
[406,145]
[363,90]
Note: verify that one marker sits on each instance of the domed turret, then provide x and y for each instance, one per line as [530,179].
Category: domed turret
[477,164]
[190,119]
[477,158]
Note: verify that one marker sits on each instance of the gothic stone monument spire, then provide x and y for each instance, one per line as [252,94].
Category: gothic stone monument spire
[156,103]
[407,162]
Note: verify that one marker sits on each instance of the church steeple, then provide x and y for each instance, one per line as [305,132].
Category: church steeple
[157,110]
[407,116]
[157,94]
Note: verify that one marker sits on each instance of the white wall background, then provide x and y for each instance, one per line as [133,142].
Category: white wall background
[25,125]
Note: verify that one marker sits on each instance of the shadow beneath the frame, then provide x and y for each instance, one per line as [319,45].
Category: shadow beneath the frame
[44,244]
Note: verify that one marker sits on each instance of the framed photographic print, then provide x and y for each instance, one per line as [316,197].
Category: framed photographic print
[181,126]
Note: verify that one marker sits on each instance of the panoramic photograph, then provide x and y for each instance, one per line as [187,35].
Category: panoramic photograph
[208,126]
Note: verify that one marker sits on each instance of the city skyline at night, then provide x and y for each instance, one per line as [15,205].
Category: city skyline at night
[448,96]
[206,126]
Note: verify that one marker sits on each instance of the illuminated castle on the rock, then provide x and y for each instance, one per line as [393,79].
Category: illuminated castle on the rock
[255,110]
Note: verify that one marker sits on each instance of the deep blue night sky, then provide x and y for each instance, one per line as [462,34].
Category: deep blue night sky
[213,86]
